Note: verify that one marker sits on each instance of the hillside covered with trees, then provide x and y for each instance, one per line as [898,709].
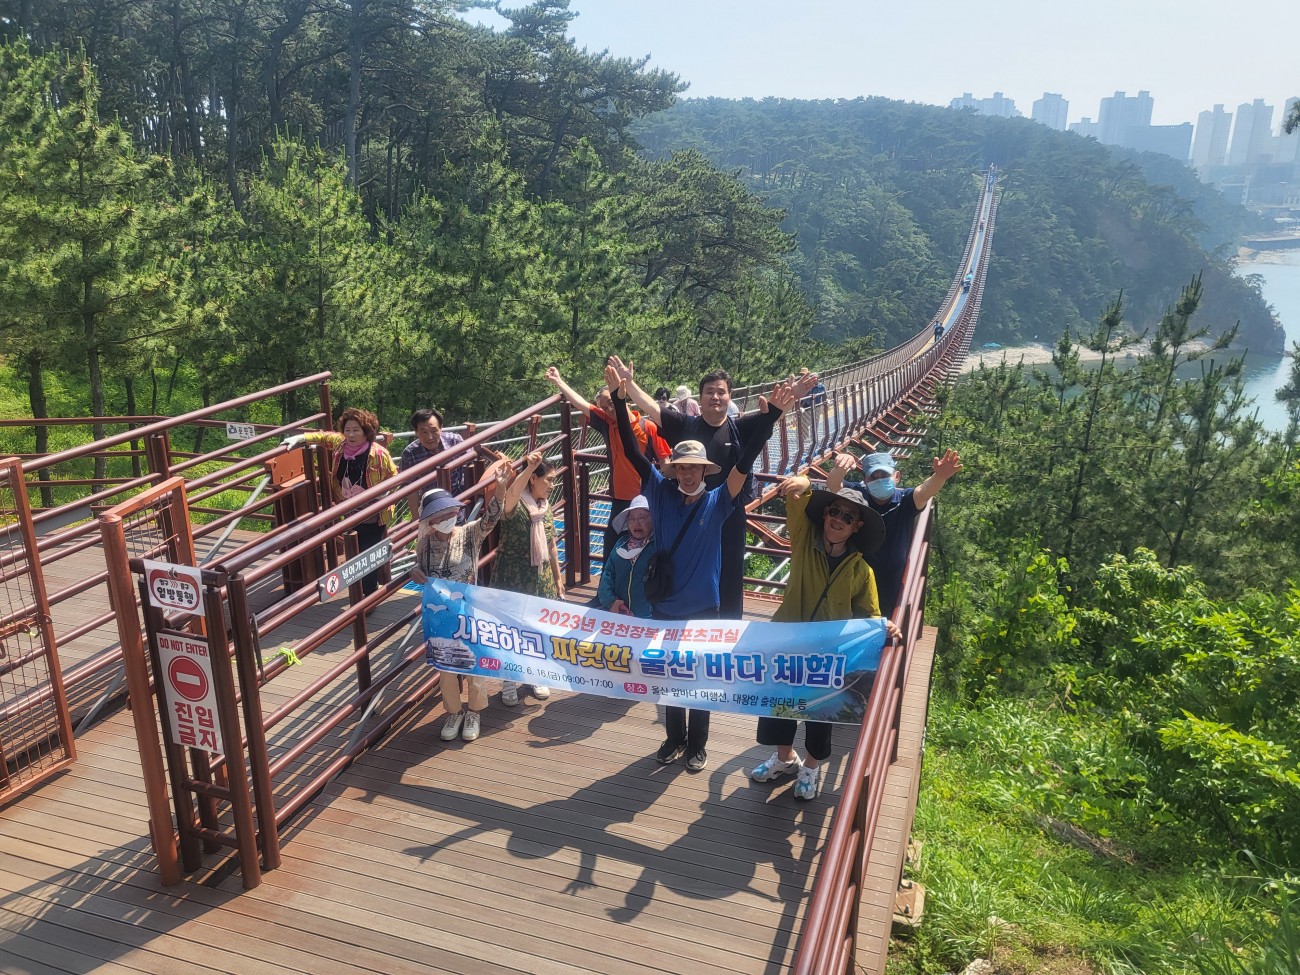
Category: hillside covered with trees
[245,191]
[877,195]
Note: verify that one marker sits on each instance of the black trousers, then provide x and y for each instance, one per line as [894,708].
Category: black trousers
[368,536]
[780,731]
[689,725]
[731,585]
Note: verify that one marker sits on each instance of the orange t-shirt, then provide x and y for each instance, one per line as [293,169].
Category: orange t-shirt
[627,482]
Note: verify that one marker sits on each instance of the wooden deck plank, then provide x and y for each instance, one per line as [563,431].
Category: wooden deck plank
[571,849]
[554,844]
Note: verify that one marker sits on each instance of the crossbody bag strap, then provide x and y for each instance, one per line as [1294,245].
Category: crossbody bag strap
[681,533]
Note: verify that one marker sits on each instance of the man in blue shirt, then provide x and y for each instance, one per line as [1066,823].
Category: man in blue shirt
[899,507]
[689,519]
[429,441]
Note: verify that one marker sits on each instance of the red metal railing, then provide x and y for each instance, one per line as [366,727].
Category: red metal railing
[828,940]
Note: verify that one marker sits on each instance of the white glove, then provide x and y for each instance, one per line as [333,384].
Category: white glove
[297,440]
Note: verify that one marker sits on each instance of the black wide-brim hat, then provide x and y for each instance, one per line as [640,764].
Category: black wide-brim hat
[870,534]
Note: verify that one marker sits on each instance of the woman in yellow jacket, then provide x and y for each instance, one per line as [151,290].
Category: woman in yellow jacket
[830,531]
[357,461]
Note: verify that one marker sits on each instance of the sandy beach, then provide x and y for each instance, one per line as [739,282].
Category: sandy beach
[1036,354]
[1040,354]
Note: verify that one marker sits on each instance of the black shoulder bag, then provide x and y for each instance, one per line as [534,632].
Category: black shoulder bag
[658,580]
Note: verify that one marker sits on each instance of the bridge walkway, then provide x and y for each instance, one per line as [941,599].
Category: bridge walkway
[553,844]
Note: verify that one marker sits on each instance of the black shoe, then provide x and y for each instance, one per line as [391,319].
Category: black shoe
[670,751]
[697,760]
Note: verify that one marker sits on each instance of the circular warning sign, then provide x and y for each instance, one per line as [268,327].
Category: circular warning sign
[333,583]
[187,679]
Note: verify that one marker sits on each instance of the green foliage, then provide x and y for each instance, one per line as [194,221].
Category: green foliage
[876,193]
[1009,876]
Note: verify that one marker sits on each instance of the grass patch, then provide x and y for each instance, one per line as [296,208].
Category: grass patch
[1003,885]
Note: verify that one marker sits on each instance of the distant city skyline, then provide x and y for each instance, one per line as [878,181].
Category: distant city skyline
[1189,54]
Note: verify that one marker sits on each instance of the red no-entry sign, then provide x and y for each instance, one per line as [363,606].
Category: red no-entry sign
[189,691]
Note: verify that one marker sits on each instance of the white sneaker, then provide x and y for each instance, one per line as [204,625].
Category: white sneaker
[541,693]
[509,693]
[774,768]
[470,731]
[451,725]
[809,784]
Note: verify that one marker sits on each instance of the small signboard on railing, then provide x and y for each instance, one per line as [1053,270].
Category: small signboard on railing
[240,431]
[189,690]
[354,570]
[172,586]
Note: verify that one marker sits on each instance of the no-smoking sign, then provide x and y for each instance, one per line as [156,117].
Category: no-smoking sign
[189,691]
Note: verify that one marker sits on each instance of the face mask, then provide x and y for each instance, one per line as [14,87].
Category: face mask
[445,526]
[699,488]
[882,489]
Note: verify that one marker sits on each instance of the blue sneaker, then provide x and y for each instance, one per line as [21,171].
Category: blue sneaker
[774,768]
[809,785]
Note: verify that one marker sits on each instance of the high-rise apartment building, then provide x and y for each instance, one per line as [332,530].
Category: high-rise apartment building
[1169,140]
[1121,112]
[1086,127]
[997,105]
[1288,146]
[1251,133]
[1051,110]
[1210,145]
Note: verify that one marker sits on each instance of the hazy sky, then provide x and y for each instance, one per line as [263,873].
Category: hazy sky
[1190,54]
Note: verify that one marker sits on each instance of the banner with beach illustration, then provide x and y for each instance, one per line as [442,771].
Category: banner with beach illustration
[813,671]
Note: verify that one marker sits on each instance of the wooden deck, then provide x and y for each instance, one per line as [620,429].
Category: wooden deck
[554,844]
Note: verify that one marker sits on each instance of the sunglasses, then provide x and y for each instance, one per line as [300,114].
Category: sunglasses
[846,515]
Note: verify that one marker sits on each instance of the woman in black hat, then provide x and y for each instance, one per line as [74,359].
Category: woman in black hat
[830,532]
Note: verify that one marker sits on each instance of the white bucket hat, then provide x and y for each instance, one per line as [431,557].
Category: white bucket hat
[639,503]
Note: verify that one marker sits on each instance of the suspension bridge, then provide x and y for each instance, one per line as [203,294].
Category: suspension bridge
[336,832]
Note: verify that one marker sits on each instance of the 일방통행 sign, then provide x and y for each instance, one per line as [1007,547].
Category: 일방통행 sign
[173,586]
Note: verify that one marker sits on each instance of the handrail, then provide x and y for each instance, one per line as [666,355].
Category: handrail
[828,940]
[162,426]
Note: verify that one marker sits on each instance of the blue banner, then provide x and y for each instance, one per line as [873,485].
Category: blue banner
[812,671]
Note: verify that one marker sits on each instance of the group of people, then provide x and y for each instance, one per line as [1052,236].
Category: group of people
[680,483]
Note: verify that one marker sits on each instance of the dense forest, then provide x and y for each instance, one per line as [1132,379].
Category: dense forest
[877,195]
[231,193]
[246,191]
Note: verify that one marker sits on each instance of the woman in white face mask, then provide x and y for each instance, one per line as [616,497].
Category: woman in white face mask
[450,551]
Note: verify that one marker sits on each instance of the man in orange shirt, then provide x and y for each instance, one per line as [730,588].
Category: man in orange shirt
[626,482]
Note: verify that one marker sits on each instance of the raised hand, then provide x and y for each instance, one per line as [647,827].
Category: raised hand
[614,379]
[783,396]
[796,486]
[947,465]
[846,462]
[804,383]
[553,375]
[625,370]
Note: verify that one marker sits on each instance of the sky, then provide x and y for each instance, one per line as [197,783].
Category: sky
[1189,54]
